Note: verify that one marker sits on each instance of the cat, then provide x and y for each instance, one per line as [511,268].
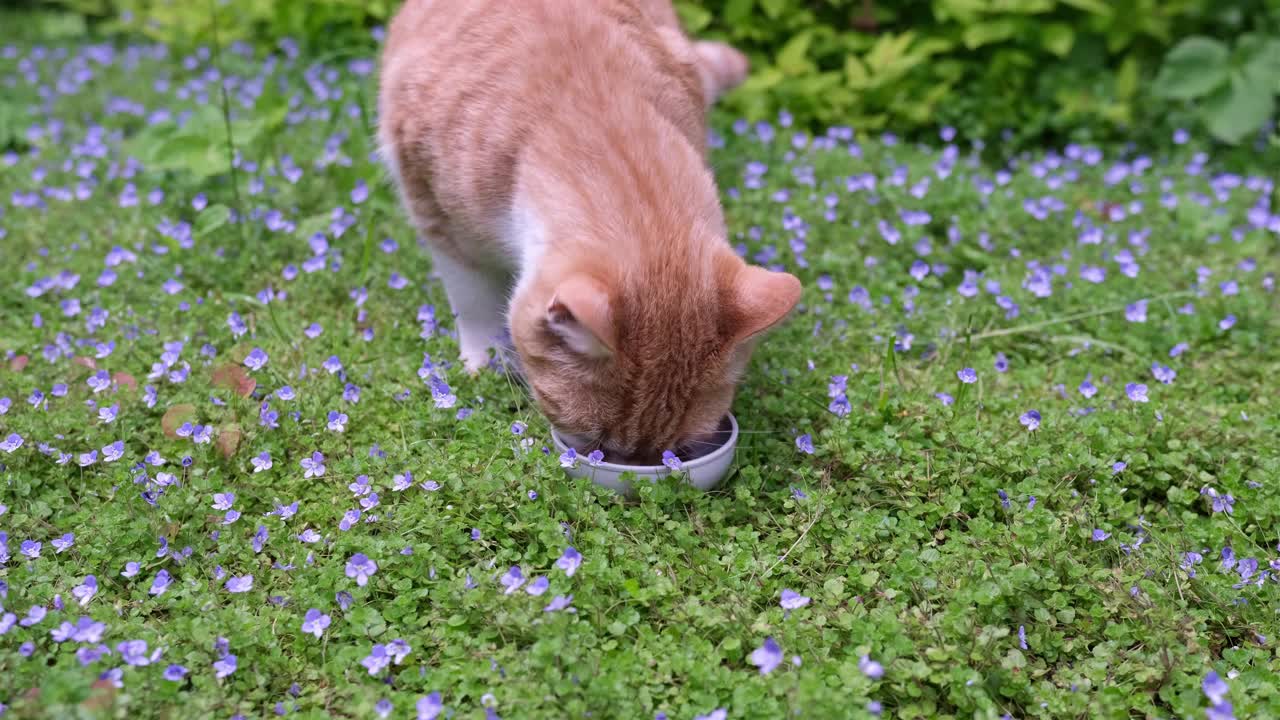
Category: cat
[552,155]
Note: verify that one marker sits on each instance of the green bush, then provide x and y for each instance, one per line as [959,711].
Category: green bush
[1030,67]
[1024,69]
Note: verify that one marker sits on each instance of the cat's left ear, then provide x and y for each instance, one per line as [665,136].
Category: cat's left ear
[756,300]
[581,315]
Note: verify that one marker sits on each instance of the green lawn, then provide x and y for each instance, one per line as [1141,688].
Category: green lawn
[956,557]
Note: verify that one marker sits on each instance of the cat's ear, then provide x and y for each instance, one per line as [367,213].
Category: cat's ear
[756,300]
[581,315]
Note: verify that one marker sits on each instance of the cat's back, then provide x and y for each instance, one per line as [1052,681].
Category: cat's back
[464,83]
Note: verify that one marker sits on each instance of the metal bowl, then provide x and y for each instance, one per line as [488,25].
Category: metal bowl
[703,472]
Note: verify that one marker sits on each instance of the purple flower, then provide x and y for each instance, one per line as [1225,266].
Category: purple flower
[360,193]
[256,359]
[223,501]
[131,569]
[967,375]
[315,622]
[314,465]
[64,543]
[670,460]
[85,591]
[1099,535]
[1022,637]
[113,675]
[1163,373]
[378,659]
[1002,362]
[767,657]
[538,586]
[113,452]
[1137,312]
[11,443]
[34,615]
[792,600]
[109,414]
[361,568]
[30,548]
[804,444]
[1137,392]
[262,462]
[160,583]
[1227,322]
[430,707]
[398,649]
[224,666]
[558,603]
[240,584]
[870,668]
[569,458]
[1222,503]
[512,580]
[1087,389]
[1220,711]
[134,652]
[945,398]
[337,421]
[175,673]
[595,458]
[570,560]
[332,364]
[1031,419]
[1214,687]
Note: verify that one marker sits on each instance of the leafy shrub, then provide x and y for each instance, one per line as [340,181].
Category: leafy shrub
[1026,69]
[1236,88]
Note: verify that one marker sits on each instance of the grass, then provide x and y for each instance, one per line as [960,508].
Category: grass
[910,527]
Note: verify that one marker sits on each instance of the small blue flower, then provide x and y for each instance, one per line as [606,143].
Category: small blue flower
[804,444]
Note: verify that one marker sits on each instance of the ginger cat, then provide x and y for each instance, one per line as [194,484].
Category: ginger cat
[552,155]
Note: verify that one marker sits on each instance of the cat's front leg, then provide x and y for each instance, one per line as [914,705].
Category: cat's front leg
[479,301]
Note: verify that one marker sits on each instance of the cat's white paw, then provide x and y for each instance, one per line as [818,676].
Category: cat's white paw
[475,359]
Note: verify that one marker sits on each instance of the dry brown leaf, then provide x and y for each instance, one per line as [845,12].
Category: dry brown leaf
[101,697]
[175,416]
[233,377]
[18,363]
[229,440]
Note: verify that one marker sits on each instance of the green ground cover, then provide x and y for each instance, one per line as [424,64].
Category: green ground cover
[1016,454]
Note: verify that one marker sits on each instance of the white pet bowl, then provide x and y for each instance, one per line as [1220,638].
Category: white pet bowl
[703,472]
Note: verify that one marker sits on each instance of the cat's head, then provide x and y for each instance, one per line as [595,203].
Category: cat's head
[635,364]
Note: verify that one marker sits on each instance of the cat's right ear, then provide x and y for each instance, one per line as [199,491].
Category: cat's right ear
[756,299]
[580,314]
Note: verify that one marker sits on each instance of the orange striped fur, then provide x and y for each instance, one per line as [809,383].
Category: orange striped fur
[552,155]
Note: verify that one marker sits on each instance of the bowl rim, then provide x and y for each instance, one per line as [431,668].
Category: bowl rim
[702,461]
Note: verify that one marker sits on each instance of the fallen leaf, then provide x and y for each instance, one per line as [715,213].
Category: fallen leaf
[18,363]
[125,379]
[101,696]
[175,416]
[85,361]
[229,440]
[233,377]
